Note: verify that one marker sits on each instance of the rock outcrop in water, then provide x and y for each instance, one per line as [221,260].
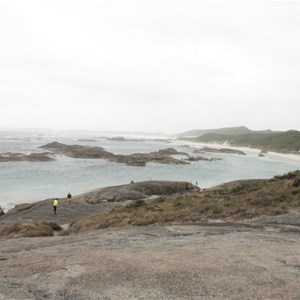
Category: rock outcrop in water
[87,140]
[117,139]
[163,156]
[33,157]
[77,151]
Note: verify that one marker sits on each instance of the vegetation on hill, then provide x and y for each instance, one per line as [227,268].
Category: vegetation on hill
[23,229]
[286,142]
[229,202]
[227,130]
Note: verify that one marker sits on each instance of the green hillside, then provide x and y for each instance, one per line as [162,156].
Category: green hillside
[286,142]
[228,130]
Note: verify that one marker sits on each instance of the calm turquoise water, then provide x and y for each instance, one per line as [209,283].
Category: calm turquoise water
[28,182]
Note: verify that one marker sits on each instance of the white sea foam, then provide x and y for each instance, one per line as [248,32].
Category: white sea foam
[284,157]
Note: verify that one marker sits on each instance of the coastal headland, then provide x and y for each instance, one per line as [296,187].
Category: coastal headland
[157,240]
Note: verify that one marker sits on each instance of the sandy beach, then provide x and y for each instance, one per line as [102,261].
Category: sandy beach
[249,151]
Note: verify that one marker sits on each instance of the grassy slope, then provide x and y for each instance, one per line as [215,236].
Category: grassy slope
[20,229]
[228,130]
[245,201]
[288,141]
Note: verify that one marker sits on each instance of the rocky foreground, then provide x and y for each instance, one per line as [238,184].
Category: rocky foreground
[155,262]
[174,258]
[98,200]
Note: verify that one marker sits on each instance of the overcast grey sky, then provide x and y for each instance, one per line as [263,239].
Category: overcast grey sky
[166,66]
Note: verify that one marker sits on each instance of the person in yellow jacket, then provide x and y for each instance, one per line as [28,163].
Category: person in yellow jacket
[55,204]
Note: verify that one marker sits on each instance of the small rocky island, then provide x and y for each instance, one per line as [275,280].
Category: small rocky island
[164,156]
[32,157]
[123,139]
[77,151]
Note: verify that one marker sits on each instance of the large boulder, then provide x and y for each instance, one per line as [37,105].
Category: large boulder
[138,190]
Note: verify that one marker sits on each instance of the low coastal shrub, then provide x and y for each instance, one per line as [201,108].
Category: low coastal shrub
[16,230]
[52,225]
[161,199]
[261,198]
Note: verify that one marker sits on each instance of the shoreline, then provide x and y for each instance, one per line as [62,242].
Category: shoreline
[8,194]
[270,154]
[286,157]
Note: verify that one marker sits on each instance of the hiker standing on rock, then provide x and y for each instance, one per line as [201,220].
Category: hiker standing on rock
[55,203]
[69,196]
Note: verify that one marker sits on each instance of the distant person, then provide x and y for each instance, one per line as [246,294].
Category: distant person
[131,181]
[69,196]
[55,204]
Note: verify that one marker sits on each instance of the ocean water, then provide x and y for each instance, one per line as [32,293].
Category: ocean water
[33,181]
